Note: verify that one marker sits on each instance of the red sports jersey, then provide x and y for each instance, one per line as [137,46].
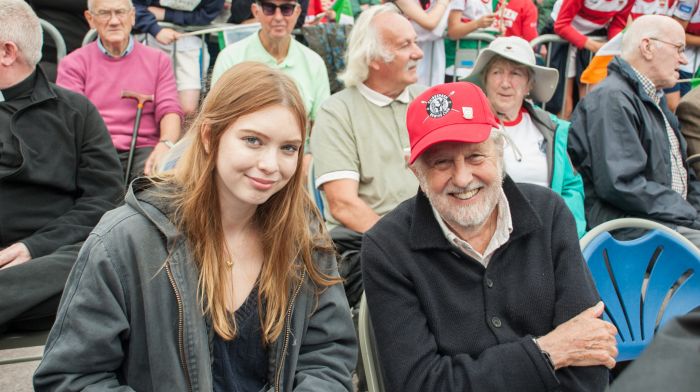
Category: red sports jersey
[573,19]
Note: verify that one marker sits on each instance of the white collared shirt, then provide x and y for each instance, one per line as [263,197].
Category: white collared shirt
[380,99]
[504,226]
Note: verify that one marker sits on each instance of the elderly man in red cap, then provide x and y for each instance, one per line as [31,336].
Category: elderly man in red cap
[476,283]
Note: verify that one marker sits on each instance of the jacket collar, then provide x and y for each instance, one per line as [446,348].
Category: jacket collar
[624,70]
[540,116]
[425,232]
[154,207]
[43,89]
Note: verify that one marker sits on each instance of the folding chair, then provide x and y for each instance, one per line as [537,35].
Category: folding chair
[368,350]
[643,282]
[465,58]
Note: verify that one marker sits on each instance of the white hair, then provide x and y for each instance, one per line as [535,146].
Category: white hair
[646,26]
[91,4]
[364,45]
[19,24]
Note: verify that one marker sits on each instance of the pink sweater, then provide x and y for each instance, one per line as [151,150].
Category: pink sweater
[101,79]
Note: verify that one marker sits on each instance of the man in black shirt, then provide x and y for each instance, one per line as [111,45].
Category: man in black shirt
[476,283]
[59,173]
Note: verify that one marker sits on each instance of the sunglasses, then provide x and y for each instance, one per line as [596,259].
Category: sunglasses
[269,9]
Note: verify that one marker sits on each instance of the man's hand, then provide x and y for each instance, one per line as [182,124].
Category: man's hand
[158,12]
[14,254]
[585,340]
[166,36]
[592,45]
[157,155]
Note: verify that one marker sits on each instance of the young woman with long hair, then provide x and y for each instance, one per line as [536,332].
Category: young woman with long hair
[216,276]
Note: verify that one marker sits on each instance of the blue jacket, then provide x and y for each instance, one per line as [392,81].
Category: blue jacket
[203,14]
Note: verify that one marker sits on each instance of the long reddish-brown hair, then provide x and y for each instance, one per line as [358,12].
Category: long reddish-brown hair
[284,219]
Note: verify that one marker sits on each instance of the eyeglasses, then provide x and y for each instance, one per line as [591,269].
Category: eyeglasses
[105,15]
[679,47]
[269,9]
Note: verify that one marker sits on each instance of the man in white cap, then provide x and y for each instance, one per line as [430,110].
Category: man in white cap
[477,283]
[507,71]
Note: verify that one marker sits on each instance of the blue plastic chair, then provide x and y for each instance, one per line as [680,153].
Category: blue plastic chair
[643,282]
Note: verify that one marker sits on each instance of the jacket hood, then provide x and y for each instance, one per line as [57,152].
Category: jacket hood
[145,196]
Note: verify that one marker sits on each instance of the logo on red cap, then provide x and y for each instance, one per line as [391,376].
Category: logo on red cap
[438,105]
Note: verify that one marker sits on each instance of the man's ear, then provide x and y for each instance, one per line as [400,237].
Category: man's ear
[89,18]
[374,64]
[255,10]
[9,52]
[645,49]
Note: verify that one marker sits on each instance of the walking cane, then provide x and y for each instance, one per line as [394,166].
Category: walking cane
[141,99]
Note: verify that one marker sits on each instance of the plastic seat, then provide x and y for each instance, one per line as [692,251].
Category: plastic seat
[368,350]
[16,340]
[643,282]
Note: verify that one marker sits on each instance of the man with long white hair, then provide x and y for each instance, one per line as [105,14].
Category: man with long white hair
[625,141]
[359,140]
[58,174]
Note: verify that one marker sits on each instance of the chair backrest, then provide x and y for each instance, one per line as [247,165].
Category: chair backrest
[465,58]
[643,282]
[56,37]
[235,33]
[368,350]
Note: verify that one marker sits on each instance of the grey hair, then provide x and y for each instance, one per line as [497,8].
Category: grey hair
[646,26]
[498,136]
[91,4]
[19,24]
[497,58]
[365,44]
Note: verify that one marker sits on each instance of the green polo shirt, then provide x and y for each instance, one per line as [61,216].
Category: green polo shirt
[302,64]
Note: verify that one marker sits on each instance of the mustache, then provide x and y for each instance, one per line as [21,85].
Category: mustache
[456,189]
[411,63]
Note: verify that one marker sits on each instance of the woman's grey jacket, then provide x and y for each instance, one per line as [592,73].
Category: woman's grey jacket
[129,320]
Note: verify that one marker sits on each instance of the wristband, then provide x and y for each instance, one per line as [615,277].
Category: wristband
[167,143]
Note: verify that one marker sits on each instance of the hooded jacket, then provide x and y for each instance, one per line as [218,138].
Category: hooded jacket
[130,320]
[618,143]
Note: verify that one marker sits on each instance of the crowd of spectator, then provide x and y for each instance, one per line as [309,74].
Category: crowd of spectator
[431,191]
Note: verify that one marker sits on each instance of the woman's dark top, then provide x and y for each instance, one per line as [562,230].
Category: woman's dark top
[240,365]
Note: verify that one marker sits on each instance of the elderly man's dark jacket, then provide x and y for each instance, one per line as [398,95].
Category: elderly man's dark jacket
[69,174]
[443,322]
[618,143]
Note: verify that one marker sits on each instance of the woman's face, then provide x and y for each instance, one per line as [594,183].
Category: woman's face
[507,85]
[257,156]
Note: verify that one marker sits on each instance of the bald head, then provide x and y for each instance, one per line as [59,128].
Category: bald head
[654,45]
[657,26]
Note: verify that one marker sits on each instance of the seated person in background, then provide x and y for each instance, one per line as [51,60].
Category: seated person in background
[509,18]
[508,74]
[688,113]
[625,142]
[275,46]
[576,21]
[241,12]
[687,13]
[430,24]
[58,174]
[217,276]
[360,140]
[115,63]
[478,283]
[191,58]
[67,17]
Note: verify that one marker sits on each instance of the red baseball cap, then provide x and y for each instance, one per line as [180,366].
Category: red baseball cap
[450,112]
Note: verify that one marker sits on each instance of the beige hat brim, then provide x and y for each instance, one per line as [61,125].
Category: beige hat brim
[545,82]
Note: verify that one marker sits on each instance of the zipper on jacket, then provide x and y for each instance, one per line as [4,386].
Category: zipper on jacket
[287,332]
[181,324]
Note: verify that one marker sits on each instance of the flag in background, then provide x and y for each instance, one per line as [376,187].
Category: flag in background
[343,12]
[597,70]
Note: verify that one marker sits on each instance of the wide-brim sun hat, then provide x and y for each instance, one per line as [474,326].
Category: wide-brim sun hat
[519,51]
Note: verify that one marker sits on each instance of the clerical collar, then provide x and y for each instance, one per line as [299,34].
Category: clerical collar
[126,51]
[23,88]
